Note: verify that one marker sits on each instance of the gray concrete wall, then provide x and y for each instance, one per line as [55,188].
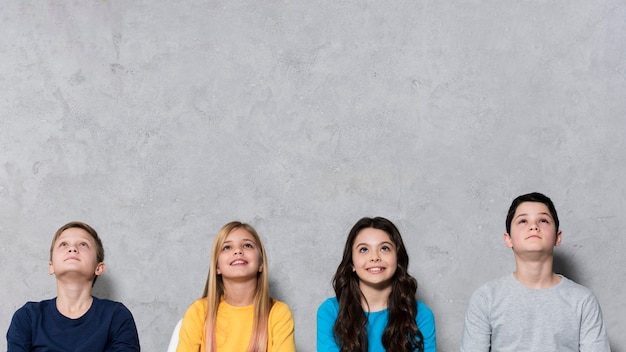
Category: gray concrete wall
[158,121]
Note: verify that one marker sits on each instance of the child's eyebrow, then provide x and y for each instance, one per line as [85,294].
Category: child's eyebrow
[542,213]
[243,240]
[79,239]
[379,244]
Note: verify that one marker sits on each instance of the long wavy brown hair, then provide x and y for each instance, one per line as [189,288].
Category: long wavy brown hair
[401,332]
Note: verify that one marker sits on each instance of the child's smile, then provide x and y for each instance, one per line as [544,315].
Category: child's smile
[240,257]
[374,257]
[239,262]
[376,270]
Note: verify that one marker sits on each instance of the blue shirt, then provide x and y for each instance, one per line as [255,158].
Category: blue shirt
[40,327]
[376,323]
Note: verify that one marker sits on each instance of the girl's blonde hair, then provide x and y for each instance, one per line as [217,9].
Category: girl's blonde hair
[214,291]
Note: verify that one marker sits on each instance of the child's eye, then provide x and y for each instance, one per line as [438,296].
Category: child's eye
[385,248]
[84,244]
[362,250]
[226,248]
[248,245]
[522,221]
[545,221]
[62,244]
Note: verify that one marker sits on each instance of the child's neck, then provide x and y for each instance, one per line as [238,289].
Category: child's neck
[73,300]
[536,274]
[377,298]
[239,294]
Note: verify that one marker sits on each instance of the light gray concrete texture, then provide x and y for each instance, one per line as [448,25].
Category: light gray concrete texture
[159,121]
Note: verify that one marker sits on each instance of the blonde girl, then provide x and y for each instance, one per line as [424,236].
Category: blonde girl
[236,311]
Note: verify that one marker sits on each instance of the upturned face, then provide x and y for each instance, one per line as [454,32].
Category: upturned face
[74,253]
[239,258]
[532,229]
[374,258]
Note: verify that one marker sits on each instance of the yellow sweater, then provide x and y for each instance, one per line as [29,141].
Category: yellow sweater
[234,328]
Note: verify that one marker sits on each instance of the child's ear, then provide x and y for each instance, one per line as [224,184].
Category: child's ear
[507,240]
[50,268]
[558,238]
[100,268]
[261,268]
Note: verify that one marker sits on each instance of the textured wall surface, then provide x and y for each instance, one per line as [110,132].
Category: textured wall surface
[159,121]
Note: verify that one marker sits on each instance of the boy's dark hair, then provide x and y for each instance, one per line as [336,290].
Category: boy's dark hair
[90,231]
[531,197]
[350,329]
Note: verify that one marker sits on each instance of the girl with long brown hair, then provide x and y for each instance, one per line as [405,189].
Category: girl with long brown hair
[375,308]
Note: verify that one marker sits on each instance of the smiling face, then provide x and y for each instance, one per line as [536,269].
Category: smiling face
[239,258]
[75,253]
[374,258]
[533,229]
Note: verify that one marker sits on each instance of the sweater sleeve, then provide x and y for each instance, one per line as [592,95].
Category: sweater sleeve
[593,337]
[191,337]
[281,325]
[326,316]
[477,327]
[124,336]
[19,335]
[426,324]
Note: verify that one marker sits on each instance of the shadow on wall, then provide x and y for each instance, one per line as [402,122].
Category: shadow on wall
[566,267]
[105,288]
[276,292]
[280,295]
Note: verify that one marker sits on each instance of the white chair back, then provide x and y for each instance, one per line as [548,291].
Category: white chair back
[174,338]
